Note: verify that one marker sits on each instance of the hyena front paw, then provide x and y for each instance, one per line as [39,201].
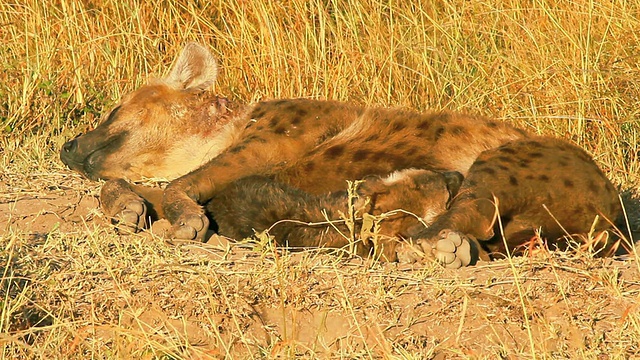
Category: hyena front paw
[126,209]
[453,249]
[190,227]
[132,217]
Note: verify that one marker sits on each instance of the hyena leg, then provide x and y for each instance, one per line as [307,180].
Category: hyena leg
[130,206]
[518,234]
[183,197]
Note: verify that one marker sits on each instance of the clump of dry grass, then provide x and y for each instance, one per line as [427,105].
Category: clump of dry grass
[566,69]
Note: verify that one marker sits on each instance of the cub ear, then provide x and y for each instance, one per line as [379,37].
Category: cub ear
[371,185]
[194,69]
[453,179]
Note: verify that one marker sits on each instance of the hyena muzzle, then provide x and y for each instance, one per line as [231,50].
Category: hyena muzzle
[175,128]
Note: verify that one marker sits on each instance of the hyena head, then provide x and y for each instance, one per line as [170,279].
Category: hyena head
[164,129]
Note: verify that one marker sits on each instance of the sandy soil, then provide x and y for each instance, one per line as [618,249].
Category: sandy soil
[73,288]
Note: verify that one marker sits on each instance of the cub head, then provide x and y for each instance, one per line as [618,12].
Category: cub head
[424,193]
[163,129]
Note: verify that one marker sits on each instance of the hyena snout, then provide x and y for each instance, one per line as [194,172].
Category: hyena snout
[86,156]
[68,151]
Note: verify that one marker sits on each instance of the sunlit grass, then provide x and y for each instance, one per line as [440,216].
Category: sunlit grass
[568,69]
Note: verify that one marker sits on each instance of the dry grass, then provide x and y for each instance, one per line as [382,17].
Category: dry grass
[77,290]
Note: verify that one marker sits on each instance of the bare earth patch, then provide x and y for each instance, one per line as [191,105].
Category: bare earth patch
[73,288]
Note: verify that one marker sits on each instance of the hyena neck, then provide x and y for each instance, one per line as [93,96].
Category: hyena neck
[218,124]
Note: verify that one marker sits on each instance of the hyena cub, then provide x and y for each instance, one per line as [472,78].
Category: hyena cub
[297,218]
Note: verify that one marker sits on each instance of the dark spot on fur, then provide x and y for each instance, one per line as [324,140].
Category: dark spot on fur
[505,158]
[255,138]
[360,155]
[439,132]
[568,183]
[502,167]
[458,130]
[308,167]
[237,149]
[524,163]
[544,178]
[513,181]
[488,170]
[296,120]
[411,152]
[562,163]
[479,162]
[492,124]
[529,177]
[398,125]
[535,144]
[280,130]
[334,151]
[274,121]
[372,137]
[301,112]
[257,113]
[379,155]
[421,159]
[400,144]
[535,155]
[593,187]
[424,125]
[506,150]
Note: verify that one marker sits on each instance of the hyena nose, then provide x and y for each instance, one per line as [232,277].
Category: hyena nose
[70,146]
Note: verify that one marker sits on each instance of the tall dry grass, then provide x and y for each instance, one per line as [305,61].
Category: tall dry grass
[566,68]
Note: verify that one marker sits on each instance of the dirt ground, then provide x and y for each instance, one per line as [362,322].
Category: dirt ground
[74,288]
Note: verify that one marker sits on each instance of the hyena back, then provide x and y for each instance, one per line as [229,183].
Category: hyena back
[174,128]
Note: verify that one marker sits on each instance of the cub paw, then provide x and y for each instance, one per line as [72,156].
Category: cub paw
[453,249]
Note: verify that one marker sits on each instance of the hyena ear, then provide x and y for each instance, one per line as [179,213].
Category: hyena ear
[371,185]
[194,69]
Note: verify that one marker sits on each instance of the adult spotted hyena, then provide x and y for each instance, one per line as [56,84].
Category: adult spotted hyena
[174,128]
